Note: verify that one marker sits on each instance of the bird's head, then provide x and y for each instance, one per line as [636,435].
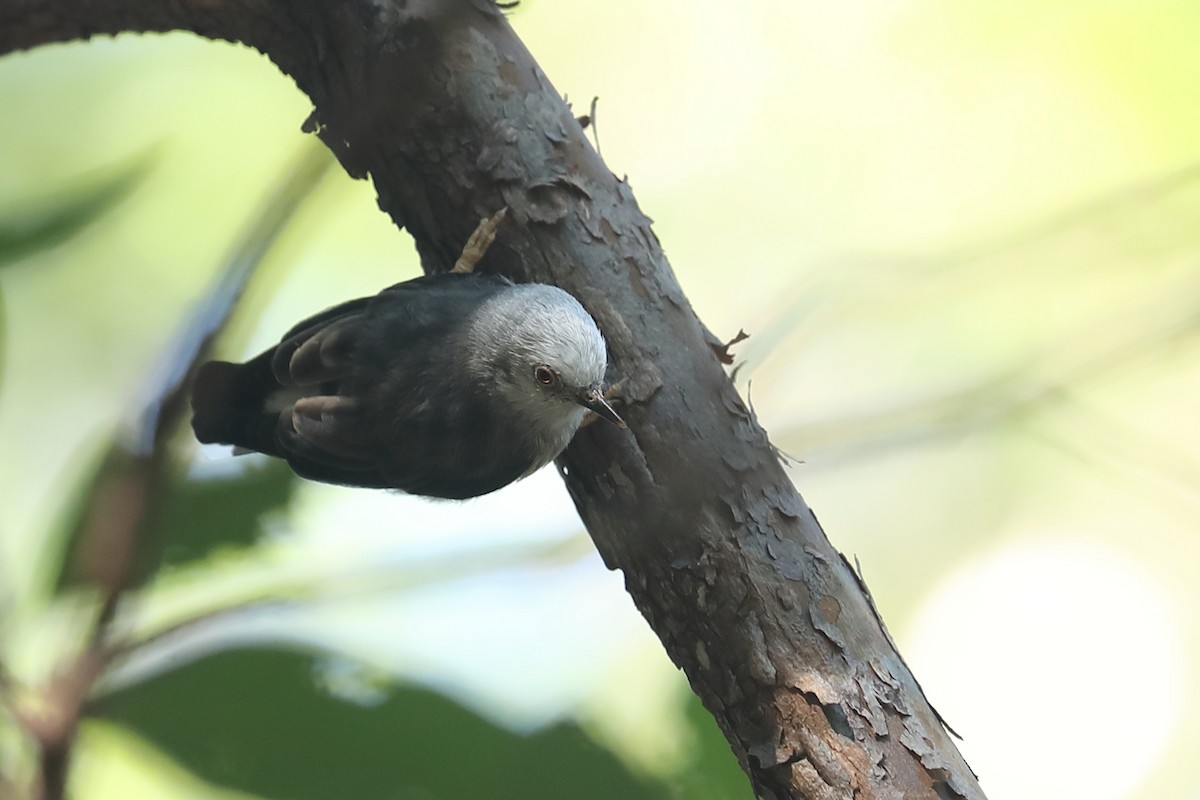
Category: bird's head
[544,355]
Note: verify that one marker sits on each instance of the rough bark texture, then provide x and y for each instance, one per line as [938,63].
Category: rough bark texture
[442,106]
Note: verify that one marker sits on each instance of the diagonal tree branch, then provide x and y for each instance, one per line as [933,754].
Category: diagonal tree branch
[441,104]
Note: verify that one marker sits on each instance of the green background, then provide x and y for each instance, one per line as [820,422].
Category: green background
[963,239]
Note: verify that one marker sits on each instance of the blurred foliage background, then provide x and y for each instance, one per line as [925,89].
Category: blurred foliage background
[964,239]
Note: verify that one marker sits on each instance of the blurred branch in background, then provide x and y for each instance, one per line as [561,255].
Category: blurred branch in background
[1149,219]
[1006,395]
[119,534]
[1097,438]
[1139,244]
[192,630]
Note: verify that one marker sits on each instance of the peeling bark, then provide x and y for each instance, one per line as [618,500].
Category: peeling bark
[441,105]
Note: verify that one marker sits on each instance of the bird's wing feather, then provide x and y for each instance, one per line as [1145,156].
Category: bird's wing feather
[381,417]
[318,355]
[363,409]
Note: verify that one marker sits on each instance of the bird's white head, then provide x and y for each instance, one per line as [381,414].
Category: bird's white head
[545,357]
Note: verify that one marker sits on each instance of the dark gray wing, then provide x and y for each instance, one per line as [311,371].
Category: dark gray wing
[367,394]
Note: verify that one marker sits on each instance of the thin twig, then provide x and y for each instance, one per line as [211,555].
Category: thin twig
[122,513]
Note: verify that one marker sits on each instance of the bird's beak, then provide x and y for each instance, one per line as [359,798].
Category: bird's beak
[593,398]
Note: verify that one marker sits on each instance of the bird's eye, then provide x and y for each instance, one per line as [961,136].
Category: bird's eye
[544,375]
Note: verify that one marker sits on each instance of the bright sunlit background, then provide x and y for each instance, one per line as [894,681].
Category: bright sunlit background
[963,237]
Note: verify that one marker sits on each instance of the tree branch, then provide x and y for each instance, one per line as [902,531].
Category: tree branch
[440,103]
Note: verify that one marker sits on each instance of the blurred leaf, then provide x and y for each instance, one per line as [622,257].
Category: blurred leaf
[259,721]
[194,518]
[85,501]
[51,222]
[713,772]
[199,517]
[3,330]
[116,537]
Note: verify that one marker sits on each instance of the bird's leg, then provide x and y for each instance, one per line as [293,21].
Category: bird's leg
[611,394]
[478,244]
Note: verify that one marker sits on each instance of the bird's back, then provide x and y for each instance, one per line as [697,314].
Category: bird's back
[403,390]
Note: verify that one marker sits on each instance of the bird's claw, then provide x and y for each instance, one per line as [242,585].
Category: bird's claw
[479,242]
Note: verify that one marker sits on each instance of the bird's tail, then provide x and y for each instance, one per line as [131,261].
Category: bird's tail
[219,389]
[228,404]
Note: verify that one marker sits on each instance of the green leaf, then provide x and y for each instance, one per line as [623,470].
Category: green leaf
[713,772]
[260,721]
[193,518]
[82,553]
[202,516]
[48,222]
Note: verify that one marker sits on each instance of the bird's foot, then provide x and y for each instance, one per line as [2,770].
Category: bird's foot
[478,244]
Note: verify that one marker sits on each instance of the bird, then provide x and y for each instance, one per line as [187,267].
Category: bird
[450,386]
